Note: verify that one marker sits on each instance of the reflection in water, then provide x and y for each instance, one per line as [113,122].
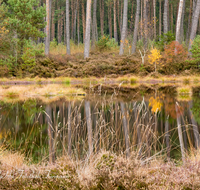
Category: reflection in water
[82,128]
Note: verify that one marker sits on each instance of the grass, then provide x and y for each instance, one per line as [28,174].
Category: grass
[105,170]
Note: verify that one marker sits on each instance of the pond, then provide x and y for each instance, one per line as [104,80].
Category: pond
[150,120]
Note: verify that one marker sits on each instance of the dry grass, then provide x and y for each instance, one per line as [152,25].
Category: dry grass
[104,171]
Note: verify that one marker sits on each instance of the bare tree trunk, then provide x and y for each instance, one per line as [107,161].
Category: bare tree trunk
[172,19]
[47,29]
[110,19]
[75,16]
[123,34]
[126,134]
[115,22]
[165,17]
[83,19]
[118,13]
[67,27]
[59,25]
[145,25]
[89,127]
[136,27]
[69,130]
[52,22]
[94,23]
[178,25]
[194,24]
[167,136]
[160,17]
[182,23]
[131,24]
[78,21]
[180,132]
[154,17]
[87,36]
[102,17]
[189,23]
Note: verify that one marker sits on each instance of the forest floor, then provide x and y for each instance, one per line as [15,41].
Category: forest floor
[104,170]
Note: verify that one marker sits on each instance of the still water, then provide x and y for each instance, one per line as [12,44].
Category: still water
[150,122]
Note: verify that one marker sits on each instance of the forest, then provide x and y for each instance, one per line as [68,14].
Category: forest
[55,38]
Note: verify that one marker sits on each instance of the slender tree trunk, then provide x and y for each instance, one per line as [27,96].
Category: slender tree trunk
[145,25]
[178,25]
[182,23]
[72,18]
[47,29]
[123,34]
[52,22]
[67,27]
[74,28]
[69,130]
[78,21]
[89,125]
[59,25]
[115,22]
[131,24]
[87,36]
[125,127]
[189,22]
[110,19]
[154,18]
[194,24]
[83,19]
[172,19]
[118,14]
[136,27]
[160,17]
[165,17]
[180,132]
[94,23]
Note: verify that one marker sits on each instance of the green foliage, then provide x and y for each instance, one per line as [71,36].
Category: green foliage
[165,39]
[105,43]
[195,50]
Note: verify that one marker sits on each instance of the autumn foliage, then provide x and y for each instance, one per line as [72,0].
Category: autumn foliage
[174,52]
[154,57]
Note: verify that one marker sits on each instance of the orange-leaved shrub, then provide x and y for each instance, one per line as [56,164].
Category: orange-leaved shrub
[174,52]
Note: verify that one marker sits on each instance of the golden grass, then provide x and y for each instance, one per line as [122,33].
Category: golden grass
[48,92]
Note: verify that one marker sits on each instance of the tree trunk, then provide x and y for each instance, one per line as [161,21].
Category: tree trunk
[194,24]
[87,36]
[94,23]
[182,23]
[47,29]
[131,24]
[74,28]
[154,18]
[172,19]
[119,24]
[52,22]
[165,17]
[180,132]
[145,25]
[123,34]
[67,27]
[83,19]
[59,25]
[178,25]
[69,130]
[136,27]
[89,124]
[110,19]
[78,21]
[115,22]
[125,127]
[160,17]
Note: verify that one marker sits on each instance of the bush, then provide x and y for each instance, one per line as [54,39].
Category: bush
[165,39]
[195,50]
[174,52]
[105,43]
